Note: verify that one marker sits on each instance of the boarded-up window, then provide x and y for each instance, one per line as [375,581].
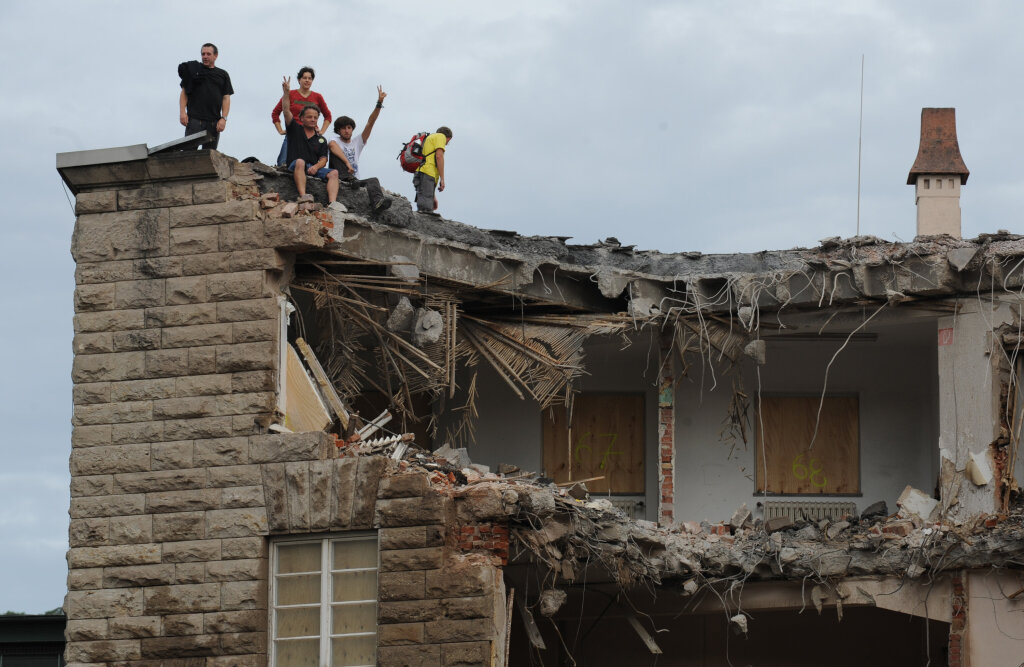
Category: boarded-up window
[784,434]
[607,440]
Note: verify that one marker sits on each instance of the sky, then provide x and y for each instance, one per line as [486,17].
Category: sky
[720,127]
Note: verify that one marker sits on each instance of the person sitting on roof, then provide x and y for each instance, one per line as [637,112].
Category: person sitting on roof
[299,99]
[307,149]
[346,150]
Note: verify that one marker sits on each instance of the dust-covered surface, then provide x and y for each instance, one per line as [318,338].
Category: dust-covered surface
[837,271]
[568,533]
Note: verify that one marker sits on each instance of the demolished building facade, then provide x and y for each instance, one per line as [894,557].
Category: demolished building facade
[585,454]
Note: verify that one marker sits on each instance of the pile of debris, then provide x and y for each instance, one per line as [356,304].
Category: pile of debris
[572,533]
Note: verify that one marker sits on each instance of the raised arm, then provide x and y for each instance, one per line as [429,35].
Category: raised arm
[286,105]
[182,103]
[373,114]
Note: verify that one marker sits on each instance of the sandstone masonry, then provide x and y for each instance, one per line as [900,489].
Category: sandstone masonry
[176,483]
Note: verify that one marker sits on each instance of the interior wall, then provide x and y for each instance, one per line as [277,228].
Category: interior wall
[995,622]
[508,429]
[895,377]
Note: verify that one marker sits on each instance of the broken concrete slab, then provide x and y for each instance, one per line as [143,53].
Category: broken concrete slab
[961,257]
[835,529]
[913,502]
[551,600]
[875,510]
[402,267]
[740,516]
[401,317]
[428,327]
[979,471]
[578,491]
[457,457]
[758,351]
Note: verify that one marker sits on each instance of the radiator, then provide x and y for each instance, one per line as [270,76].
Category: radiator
[809,510]
[633,507]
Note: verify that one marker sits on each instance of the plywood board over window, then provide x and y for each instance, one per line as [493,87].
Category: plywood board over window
[607,440]
[784,433]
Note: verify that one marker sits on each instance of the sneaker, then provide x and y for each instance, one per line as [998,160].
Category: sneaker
[433,213]
[337,206]
[304,198]
[382,205]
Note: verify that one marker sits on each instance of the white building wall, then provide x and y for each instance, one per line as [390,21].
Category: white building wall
[508,429]
[897,386]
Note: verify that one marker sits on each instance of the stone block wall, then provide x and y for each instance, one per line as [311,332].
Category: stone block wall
[439,604]
[176,484]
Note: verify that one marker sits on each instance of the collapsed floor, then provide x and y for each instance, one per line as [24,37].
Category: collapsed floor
[564,533]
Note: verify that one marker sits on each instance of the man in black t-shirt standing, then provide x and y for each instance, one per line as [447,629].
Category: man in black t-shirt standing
[205,98]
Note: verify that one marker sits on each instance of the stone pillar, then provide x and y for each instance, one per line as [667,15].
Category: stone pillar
[968,407]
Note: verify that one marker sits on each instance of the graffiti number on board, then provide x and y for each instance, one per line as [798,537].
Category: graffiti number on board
[811,470]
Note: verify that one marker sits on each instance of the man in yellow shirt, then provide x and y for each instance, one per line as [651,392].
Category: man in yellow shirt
[431,172]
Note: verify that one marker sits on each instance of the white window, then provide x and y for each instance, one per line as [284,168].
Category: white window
[324,601]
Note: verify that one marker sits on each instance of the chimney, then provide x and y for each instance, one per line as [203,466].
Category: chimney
[937,174]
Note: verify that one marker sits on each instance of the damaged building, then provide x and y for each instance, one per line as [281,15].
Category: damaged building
[306,437]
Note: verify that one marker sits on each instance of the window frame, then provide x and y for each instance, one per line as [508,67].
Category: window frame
[326,604]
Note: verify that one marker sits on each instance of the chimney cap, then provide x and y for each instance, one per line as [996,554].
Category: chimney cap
[938,152]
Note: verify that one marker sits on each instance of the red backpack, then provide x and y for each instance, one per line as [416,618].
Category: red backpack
[411,156]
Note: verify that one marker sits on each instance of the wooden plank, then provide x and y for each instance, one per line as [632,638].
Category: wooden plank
[508,628]
[645,636]
[337,405]
[831,466]
[607,441]
[304,409]
[532,631]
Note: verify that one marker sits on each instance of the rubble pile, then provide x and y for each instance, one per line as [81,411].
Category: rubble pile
[573,535]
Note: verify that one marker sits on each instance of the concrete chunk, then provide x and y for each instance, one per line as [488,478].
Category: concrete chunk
[913,502]
[428,327]
[403,268]
[978,469]
[401,316]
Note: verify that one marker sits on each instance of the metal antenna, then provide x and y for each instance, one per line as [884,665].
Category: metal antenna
[860,136]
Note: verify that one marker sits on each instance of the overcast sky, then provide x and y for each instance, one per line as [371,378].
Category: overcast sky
[680,126]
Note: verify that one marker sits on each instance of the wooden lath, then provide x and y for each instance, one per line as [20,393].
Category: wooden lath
[538,360]
[539,356]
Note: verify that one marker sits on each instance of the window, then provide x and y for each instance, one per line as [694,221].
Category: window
[784,433]
[607,443]
[324,602]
